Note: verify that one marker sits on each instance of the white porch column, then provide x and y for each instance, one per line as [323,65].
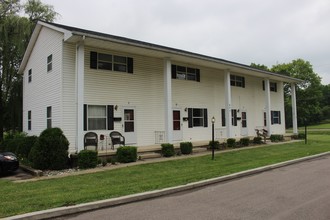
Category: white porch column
[80,72]
[228,104]
[268,106]
[294,108]
[168,100]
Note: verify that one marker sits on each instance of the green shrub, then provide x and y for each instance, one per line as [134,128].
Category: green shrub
[186,147]
[50,151]
[245,141]
[168,150]
[25,145]
[231,142]
[276,138]
[87,159]
[126,154]
[216,145]
[257,140]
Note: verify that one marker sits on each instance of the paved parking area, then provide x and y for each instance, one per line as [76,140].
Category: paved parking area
[17,175]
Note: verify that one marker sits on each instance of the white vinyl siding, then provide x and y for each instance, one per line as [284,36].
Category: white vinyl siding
[47,88]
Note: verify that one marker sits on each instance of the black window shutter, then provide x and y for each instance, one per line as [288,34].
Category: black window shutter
[223,117]
[243,82]
[275,87]
[190,118]
[279,117]
[198,75]
[110,117]
[129,65]
[85,117]
[205,118]
[93,60]
[263,85]
[173,71]
[272,117]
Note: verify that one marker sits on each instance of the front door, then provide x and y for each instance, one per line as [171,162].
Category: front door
[177,131]
[129,126]
[244,128]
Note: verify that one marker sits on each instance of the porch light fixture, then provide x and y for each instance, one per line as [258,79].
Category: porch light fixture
[116,107]
[213,121]
[186,109]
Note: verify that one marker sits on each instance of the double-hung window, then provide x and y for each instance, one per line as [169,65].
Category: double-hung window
[49,117]
[276,117]
[197,117]
[238,81]
[185,73]
[97,117]
[49,63]
[30,75]
[272,86]
[233,117]
[29,120]
[111,62]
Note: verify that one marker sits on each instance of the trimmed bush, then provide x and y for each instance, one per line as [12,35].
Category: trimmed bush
[216,145]
[276,138]
[50,150]
[231,142]
[245,141]
[257,140]
[87,159]
[126,154]
[168,150]
[25,145]
[186,147]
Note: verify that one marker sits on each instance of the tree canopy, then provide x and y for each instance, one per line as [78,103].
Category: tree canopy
[15,31]
[312,106]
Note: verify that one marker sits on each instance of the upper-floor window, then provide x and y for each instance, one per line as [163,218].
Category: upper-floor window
[111,62]
[185,73]
[49,62]
[30,75]
[238,81]
[272,86]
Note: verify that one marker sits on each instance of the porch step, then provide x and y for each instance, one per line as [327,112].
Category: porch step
[199,150]
[149,155]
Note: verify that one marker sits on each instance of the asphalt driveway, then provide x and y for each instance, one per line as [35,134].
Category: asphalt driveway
[299,191]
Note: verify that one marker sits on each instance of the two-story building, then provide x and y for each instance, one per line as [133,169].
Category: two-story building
[81,81]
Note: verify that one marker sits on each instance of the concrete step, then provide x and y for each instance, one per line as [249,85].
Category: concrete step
[149,155]
[199,149]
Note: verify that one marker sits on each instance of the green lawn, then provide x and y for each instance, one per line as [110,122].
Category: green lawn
[19,198]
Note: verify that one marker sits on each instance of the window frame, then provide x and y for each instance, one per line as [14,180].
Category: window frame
[276,117]
[30,75]
[49,117]
[237,81]
[185,73]
[89,117]
[272,86]
[29,120]
[49,63]
[111,62]
[234,117]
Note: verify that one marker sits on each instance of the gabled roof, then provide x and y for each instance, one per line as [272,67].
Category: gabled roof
[73,34]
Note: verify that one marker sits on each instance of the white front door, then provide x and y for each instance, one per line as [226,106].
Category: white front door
[244,128]
[177,130]
[129,128]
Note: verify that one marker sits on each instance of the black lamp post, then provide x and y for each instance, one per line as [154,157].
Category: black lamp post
[213,120]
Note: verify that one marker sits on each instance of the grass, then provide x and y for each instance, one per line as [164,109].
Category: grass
[45,194]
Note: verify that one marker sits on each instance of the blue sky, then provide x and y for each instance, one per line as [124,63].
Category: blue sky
[245,31]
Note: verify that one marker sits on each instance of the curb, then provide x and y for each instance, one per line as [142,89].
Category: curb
[62,211]
[31,171]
